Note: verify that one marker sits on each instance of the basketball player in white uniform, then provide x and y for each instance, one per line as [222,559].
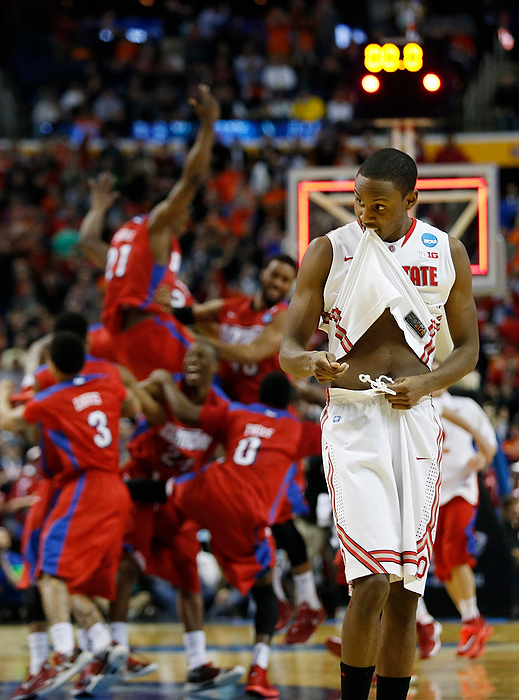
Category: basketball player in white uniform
[454,548]
[380,285]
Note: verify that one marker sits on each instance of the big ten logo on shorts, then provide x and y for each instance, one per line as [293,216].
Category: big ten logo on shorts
[429,240]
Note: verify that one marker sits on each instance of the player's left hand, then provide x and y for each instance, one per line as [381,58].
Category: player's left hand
[409,390]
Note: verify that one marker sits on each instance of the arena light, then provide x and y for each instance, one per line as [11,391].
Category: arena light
[370,83]
[343,36]
[431,82]
[136,35]
[306,187]
[506,39]
[106,35]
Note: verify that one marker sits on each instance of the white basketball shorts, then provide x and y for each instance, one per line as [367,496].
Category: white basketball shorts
[382,466]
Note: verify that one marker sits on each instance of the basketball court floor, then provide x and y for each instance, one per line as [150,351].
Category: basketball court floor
[305,672]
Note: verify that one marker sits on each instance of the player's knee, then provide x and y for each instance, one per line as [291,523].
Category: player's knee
[266,609]
[371,593]
[402,601]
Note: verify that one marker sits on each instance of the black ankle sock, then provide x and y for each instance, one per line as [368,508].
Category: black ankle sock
[392,688]
[355,681]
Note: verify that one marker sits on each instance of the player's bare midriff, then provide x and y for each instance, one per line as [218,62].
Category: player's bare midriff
[381,350]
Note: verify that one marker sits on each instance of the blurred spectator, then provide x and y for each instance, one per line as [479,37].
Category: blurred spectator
[450,152]
[11,566]
[506,102]
[511,444]
[308,107]
[340,108]
[109,108]
[509,207]
[279,77]
[248,68]
[47,112]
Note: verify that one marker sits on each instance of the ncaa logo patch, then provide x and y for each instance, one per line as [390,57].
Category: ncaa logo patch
[429,240]
[336,419]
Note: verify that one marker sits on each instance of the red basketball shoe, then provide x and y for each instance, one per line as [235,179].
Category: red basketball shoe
[31,686]
[333,644]
[285,613]
[259,685]
[429,641]
[306,621]
[473,637]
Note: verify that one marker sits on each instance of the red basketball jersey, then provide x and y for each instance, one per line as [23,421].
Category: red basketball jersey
[44,378]
[172,448]
[132,275]
[261,444]
[80,419]
[240,324]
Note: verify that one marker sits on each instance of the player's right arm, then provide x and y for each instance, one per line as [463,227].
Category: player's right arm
[303,315]
[196,165]
[102,196]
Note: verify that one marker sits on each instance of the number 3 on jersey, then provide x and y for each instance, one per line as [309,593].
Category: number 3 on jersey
[246,451]
[99,421]
[117,260]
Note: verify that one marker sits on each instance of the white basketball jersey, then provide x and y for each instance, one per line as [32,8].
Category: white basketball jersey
[458,447]
[424,254]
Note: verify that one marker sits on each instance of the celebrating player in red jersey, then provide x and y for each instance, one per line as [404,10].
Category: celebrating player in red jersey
[160,542]
[249,336]
[144,255]
[36,380]
[235,497]
[249,329]
[83,532]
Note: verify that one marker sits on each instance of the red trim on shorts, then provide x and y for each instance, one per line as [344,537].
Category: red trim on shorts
[350,545]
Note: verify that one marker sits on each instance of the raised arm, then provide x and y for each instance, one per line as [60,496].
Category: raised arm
[196,165]
[303,315]
[102,196]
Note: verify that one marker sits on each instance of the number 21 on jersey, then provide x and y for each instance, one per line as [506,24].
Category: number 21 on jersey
[117,260]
